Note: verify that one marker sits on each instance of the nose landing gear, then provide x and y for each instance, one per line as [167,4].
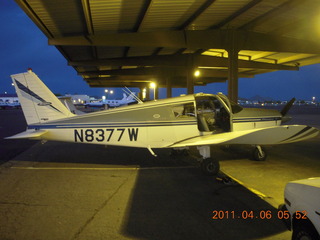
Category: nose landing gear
[209,166]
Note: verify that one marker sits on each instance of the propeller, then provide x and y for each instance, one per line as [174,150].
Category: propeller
[286,109]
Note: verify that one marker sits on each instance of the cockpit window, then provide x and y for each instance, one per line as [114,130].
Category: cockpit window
[184,110]
[235,108]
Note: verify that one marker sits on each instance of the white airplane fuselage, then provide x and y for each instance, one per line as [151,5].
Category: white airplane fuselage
[199,120]
[155,124]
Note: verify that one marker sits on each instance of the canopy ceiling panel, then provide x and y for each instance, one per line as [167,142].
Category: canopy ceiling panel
[97,35]
[168,14]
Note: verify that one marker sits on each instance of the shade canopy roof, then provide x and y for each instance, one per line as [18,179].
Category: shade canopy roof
[133,42]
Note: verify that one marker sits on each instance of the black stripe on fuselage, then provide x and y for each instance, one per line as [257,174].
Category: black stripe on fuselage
[112,125]
[260,119]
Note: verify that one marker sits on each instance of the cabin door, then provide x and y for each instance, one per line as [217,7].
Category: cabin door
[213,114]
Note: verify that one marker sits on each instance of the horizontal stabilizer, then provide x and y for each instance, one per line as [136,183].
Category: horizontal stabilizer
[31,134]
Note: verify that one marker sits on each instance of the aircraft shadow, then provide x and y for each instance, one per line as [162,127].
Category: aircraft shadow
[57,152]
[170,201]
[179,204]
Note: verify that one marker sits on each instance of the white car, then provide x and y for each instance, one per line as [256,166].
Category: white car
[302,208]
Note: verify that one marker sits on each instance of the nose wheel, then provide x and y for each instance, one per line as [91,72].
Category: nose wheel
[209,166]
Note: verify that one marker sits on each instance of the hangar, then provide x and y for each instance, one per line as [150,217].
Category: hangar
[114,43]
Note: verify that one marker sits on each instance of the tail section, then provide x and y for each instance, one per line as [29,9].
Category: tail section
[124,97]
[131,97]
[38,103]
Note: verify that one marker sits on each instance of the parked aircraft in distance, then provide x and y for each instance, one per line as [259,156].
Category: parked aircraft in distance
[193,120]
[6,105]
[109,103]
[67,101]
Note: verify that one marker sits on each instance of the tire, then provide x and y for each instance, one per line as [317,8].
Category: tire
[210,167]
[305,232]
[257,156]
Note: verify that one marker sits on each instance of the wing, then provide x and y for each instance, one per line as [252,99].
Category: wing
[33,134]
[260,136]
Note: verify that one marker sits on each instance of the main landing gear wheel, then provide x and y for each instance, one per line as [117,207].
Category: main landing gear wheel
[210,166]
[259,154]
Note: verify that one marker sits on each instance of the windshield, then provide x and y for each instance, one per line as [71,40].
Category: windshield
[235,108]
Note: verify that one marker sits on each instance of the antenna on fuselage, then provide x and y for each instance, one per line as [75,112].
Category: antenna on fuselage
[128,91]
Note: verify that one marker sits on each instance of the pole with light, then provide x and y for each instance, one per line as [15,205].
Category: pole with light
[107,92]
[106,96]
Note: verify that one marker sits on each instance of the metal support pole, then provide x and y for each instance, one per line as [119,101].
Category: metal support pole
[147,92]
[233,76]
[233,68]
[156,92]
[190,75]
[169,87]
[140,93]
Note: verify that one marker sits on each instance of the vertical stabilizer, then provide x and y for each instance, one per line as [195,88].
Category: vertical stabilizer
[38,103]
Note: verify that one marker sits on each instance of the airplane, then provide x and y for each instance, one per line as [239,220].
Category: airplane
[6,105]
[67,101]
[107,103]
[199,120]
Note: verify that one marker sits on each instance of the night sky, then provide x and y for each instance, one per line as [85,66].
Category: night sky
[23,45]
